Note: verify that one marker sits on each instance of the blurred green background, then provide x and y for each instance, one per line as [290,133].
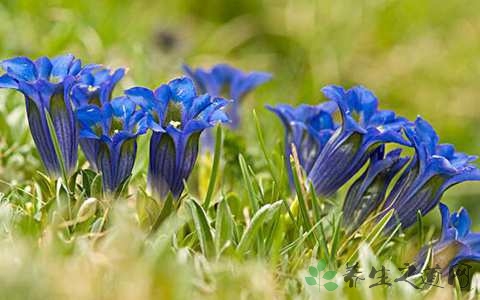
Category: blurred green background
[420,57]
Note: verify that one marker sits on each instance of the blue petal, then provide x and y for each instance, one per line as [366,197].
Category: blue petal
[8,82]
[195,126]
[187,157]
[106,163]
[42,138]
[61,66]
[44,67]
[65,129]
[461,221]
[21,68]
[162,170]
[89,114]
[243,84]
[367,102]
[182,90]
[123,107]
[426,134]
[205,82]
[90,147]
[126,160]
[445,212]
[141,96]
[334,93]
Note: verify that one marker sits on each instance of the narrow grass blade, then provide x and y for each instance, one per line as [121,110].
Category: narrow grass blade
[335,240]
[202,227]
[421,233]
[300,193]
[261,216]
[224,225]
[266,155]
[167,210]
[248,183]
[215,167]
[374,233]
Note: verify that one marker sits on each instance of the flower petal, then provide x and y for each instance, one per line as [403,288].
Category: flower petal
[21,68]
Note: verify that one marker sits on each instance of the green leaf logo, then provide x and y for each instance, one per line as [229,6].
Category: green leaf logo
[322,264]
[313,271]
[316,274]
[330,286]
[329,275]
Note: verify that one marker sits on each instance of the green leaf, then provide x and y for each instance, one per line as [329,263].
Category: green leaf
[329,275]
[167,209]
[266,154]
[224,225]
[310,281]
[304,216]
[258,220]
[202,227]
[313,271]
[330,286]
[248,183]
[335,239]
[322,264]
[374,233]
[215,167]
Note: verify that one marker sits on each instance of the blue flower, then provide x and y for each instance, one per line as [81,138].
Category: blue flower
[308,128]
[456,243]
[364,129]
[46,85]
[367,193]
[114,128]
[434,168]
[226,81]
[183,114]
[94,87]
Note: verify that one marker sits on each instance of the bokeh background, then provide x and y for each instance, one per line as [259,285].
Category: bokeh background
[420,57]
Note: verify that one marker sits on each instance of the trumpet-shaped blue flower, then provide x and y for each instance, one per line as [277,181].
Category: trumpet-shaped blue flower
[456,244]
[434,168]
[46,85]
[308,128]
[94,87]
[367,193]
[115,128]
[184,115]
[226,81]
[364,128]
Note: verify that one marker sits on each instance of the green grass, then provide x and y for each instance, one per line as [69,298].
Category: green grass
[239,232]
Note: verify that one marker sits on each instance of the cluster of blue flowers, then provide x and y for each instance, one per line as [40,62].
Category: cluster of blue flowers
[332,153]
[75,103]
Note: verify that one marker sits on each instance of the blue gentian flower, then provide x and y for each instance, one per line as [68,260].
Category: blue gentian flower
[364,128]
[456,243]
[226,81]
[367,193]
[94,87]
[308,128]
[115,128]
[434,168]
[46,85]
[184,115]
